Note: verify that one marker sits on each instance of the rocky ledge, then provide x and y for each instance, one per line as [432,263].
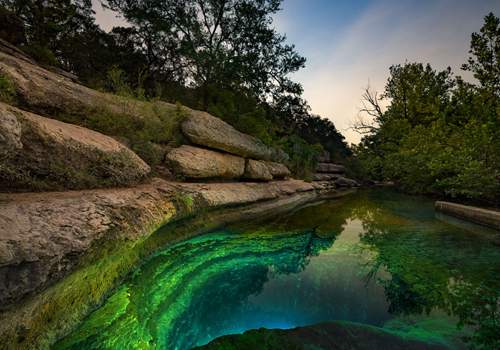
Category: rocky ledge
[38,153]
[331,335]
[485,217]
[61,253]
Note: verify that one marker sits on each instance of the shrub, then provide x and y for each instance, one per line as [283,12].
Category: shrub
[7,89]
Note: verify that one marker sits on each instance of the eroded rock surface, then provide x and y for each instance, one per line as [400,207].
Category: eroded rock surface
[42,235]
[205,130]
[39,153]
[330,168]
[198,163]
[257,170]
[278,170]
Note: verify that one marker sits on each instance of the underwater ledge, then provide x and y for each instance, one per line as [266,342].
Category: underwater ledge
[63,253]
[327,335]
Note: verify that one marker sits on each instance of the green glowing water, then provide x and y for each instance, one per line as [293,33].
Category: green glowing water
[376,257]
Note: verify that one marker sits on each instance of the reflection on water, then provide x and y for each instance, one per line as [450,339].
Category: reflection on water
[376,257]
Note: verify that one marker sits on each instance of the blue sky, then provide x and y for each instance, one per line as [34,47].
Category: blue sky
[350,43]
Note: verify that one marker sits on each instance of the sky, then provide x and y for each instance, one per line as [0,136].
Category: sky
[349,44]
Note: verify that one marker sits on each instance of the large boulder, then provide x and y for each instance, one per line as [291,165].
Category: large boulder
[199,163]
[330,168]
[257,170]
[38,153]
[206,130]
[278,170]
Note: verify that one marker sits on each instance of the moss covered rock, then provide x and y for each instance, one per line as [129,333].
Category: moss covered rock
[332,335]
[45,154]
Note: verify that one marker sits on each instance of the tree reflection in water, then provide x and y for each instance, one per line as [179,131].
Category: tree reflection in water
[376,257]
[432,266]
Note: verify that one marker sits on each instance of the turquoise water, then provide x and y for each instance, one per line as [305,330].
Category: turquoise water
[376,257]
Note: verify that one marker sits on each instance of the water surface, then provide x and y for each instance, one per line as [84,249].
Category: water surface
[376,257]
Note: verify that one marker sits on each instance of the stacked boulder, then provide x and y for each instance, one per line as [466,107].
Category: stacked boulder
[330,175]
[219,151]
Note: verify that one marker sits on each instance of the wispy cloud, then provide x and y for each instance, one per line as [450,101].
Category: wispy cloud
[386,33]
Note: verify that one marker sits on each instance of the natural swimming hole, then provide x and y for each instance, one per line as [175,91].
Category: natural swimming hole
[376,257]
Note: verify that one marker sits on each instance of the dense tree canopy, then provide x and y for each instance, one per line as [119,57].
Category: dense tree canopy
[226,43]
[440,134]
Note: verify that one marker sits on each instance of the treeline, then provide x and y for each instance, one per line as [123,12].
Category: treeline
[439,134]
[222,56]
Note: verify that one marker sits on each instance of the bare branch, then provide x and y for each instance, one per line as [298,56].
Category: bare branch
[370,107]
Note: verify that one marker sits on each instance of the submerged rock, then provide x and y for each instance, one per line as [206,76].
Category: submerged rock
[79,158]
[199,163]
[331,335]
[206,130]
[257,170]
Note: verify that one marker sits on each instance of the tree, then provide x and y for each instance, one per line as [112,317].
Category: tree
[230,44]
[47,23]
[484,61]
[439,134]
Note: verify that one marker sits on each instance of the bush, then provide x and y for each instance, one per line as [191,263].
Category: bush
[303,156]
[7,89]
[41,54]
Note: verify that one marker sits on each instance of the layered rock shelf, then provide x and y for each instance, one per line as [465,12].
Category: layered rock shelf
[330,175]
[226,153]
[62,252]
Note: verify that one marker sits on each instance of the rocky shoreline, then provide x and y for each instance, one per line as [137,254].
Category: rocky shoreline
[70,229]
[82,244]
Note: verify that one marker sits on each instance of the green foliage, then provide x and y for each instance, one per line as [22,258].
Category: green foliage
[440,134]
[7,89]
[484,61]
[117,82]
[303,156]
[42,54]
[230,44]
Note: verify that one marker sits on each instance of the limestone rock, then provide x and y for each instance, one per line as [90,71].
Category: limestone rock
[324,177]
[42,235]
[330,168]
[199,163]
[342,181]
[257,170]
[10,132]
[206,130]
[478,215]
[324,157]
[46,154]
[278,170]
